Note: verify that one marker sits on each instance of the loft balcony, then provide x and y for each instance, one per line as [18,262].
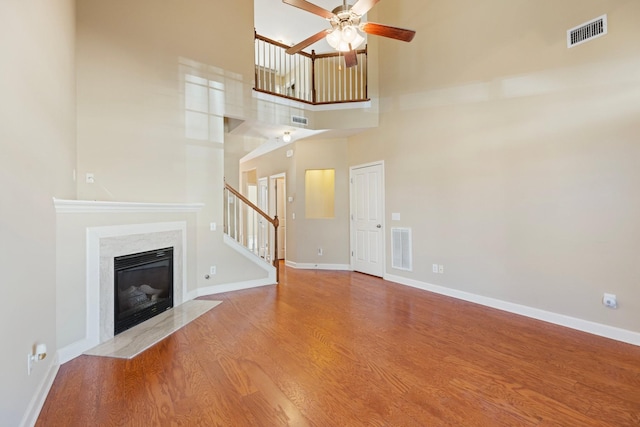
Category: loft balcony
[314,79]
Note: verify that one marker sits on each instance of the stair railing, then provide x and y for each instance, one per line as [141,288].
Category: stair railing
[251,227]
[308,77]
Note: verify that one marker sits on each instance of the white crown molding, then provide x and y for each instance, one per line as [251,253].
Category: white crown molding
[93,206]
[590,327]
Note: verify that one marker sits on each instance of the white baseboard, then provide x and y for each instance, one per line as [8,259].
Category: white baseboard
[229,287]
[594,328]
[37,401]
[75,349]
[310,266]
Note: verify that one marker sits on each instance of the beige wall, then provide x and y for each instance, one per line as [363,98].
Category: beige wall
[332,234]
[154,83]
[235,148]
[37,139]
[305,236]
[139,65]
[135,61]
[514,159]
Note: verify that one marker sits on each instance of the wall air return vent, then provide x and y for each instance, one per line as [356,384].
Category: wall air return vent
[587,31]
[299,120]
[401,248]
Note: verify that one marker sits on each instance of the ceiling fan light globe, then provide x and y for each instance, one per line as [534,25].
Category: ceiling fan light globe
[346,47]
[357,41]
[349,33]
[339,42]
[334,37]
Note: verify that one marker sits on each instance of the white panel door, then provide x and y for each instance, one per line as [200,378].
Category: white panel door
[367,220]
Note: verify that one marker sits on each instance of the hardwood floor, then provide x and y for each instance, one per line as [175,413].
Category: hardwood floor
[346,349]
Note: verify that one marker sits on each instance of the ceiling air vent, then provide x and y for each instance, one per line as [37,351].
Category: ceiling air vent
[587,31]
[299,120]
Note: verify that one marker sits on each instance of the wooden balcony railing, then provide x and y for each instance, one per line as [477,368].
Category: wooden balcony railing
[251,227]
[309,78]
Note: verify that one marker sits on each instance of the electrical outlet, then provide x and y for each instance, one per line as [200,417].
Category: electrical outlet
[90,179]
[213,226]
[441,269]
[320,252]
[434,268]
[610,300]
[212,270]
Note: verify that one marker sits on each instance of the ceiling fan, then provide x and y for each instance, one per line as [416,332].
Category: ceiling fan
[345,23]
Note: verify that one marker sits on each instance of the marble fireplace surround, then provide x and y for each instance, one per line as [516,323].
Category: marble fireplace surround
[105,243]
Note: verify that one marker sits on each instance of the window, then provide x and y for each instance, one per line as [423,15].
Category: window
[204,109]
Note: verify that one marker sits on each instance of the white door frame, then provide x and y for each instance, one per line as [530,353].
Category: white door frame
[352,230]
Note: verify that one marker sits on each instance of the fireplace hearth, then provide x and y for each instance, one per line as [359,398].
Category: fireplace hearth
[143,284]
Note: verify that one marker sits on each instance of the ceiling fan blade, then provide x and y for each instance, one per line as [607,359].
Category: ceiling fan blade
[309,7]
[350,58]
[387,31]
[307,42]
[363,6]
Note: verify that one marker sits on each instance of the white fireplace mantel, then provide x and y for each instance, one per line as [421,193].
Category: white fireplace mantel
[106,239]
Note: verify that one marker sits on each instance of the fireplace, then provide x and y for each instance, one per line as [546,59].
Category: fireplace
[143,284]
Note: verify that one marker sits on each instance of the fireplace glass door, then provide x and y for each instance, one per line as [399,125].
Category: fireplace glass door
[143,287]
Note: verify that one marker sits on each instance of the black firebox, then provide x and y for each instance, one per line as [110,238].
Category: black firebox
[143,287]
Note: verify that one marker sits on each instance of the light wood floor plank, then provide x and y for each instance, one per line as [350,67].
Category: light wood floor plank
[346,349]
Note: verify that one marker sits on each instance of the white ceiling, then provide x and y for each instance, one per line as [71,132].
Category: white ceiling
[290,25]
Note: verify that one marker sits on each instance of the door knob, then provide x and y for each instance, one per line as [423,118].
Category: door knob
[379,226]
